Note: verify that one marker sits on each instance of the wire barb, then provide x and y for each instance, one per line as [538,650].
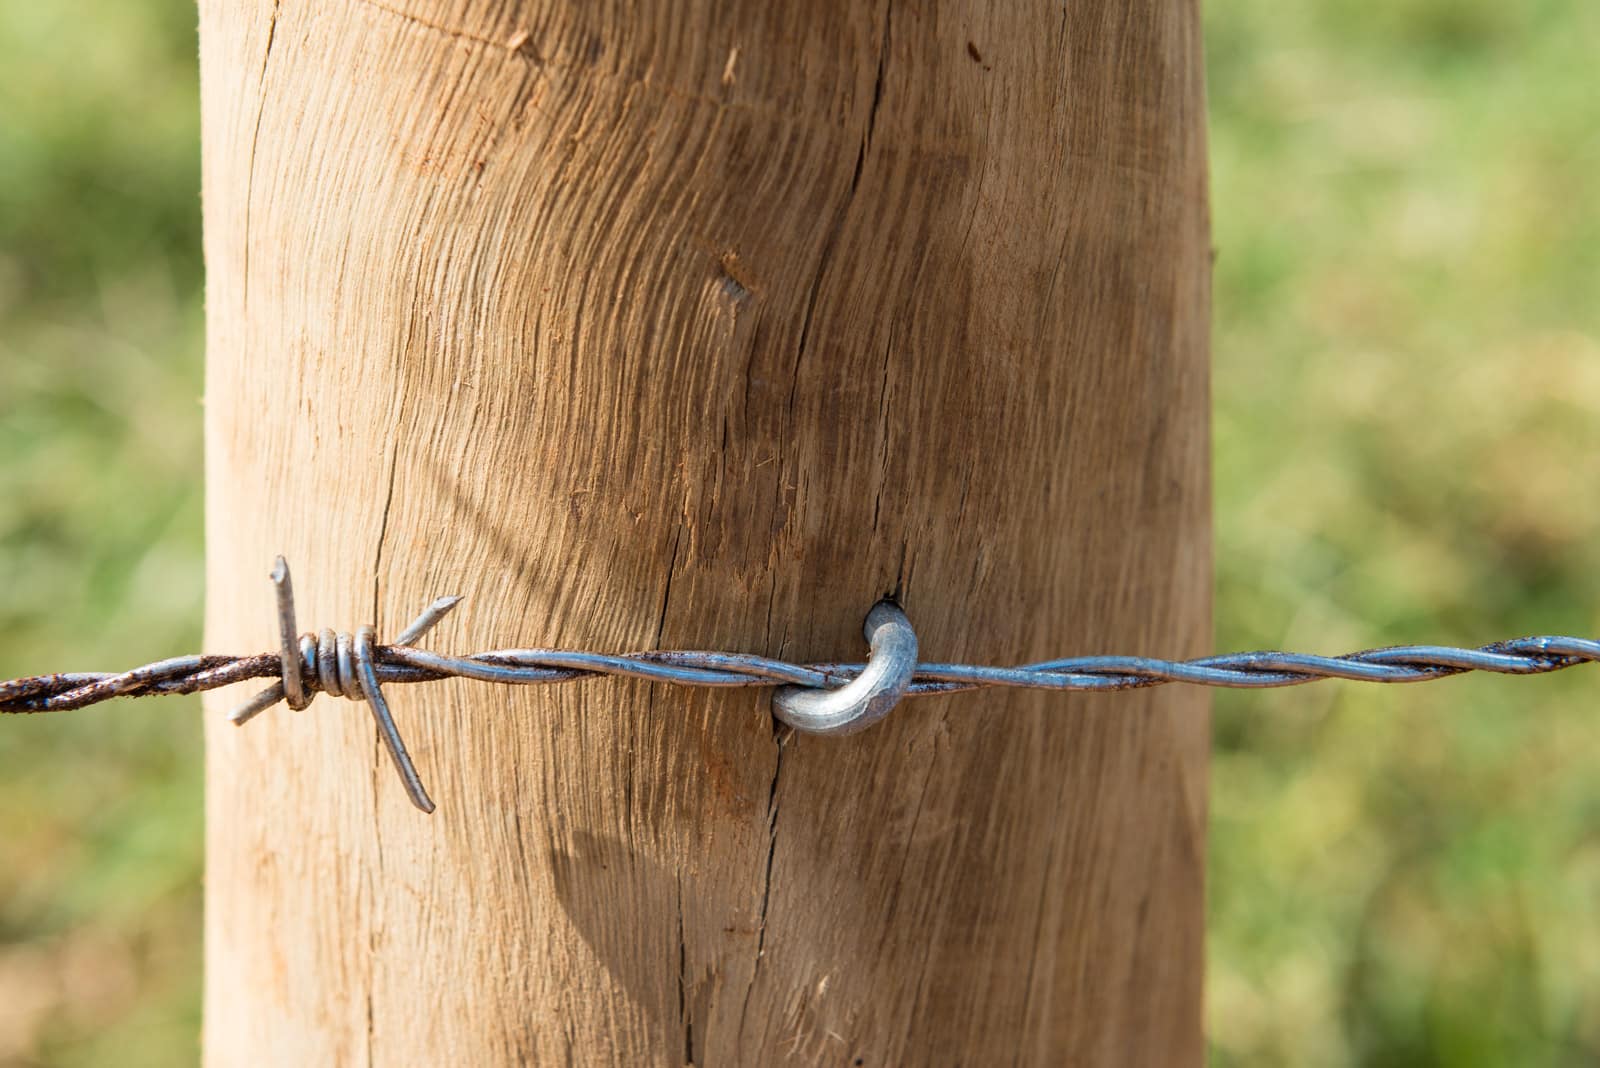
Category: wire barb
[340,666]
[357,667]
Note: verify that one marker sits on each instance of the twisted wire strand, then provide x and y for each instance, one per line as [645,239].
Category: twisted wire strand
[1533,655]
[819,698]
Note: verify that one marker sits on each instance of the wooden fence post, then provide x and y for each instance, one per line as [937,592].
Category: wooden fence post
[680,324]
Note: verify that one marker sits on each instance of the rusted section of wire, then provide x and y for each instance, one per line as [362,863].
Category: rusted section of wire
[357,667]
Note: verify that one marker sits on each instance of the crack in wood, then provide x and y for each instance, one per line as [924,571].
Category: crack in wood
[250,170]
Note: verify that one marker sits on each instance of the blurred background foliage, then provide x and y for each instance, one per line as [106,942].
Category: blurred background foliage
[1407,399]
[1407,218]
[100,527]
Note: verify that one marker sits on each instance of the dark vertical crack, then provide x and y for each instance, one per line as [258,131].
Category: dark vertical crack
[378,756]
[780,733]
[780,736]
[666,594]
[883,419]
[383,523]
[394,468]
[877,92]
[650,703]
[377,587]
[811,304]
[255,138]
[369,1026]
[683,984]
[837,224]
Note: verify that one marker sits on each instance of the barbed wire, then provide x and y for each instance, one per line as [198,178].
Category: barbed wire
[827,698]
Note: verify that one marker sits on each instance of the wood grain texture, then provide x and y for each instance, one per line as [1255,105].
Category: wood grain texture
[679,324]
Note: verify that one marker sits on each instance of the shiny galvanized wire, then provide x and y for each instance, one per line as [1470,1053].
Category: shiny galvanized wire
[820,697]
[1535,655]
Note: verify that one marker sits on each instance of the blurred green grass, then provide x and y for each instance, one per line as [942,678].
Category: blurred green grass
[1407,447]
[100,532]
[1407,444]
